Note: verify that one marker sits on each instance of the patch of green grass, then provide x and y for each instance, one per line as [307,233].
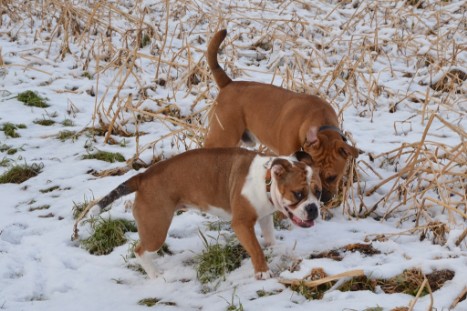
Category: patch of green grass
[148,302]
[44,122]
[30,98]
[232,306]
[262,293]
[68,122]
[65,135]
[316,292]
[78,208]
[4,162]
[50,189]
[86,74]
[151,302]
[108,234]
[145,40]
[164,250]
[280,221]
[105,156]
[218,225]
[20,173]
[12,151]
[217,260]
[39,208]
[9,150]
[10,130]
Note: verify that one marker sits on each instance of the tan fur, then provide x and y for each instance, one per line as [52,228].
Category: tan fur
[282,120]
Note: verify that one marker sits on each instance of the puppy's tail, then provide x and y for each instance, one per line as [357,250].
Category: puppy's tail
[220,76]
[129,186]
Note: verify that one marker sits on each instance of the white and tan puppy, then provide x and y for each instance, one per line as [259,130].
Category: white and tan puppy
[243,185]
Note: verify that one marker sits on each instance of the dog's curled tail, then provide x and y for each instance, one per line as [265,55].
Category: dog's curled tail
[219,74]
[129,186]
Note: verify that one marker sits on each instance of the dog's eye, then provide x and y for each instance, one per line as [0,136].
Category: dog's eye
[331,179]
[298,195]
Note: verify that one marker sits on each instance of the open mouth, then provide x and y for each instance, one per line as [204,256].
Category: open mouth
[299,222]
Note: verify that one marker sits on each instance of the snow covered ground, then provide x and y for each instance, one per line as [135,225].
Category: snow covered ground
[377,62]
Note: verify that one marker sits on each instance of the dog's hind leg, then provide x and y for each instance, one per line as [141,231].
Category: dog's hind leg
[226,127]
[153,223]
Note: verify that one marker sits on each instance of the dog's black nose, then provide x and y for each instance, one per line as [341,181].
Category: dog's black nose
[311,211]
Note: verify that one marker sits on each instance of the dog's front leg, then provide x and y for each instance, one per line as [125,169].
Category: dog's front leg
[267,228]
[244,229]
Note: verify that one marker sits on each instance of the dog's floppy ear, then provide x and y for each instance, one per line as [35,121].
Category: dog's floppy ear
[279,167]
[311,138]
[346,150]
[304,157]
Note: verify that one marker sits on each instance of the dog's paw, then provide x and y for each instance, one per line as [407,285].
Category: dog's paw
[263,275]
[270,242]
[152,274]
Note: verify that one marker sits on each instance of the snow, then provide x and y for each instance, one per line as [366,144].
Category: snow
[42,269]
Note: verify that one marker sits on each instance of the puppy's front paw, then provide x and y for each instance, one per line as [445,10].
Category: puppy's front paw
[263,275]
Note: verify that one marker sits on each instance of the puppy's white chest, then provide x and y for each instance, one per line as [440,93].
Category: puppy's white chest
[254,188]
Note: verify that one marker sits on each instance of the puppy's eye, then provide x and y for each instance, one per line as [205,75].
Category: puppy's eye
[331,179]
[298,195]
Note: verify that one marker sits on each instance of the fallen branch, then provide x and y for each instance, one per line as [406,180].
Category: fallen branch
[315,283]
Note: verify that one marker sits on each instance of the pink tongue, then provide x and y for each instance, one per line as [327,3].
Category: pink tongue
[302,223]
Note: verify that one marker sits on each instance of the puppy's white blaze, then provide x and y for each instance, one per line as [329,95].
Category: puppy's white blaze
[309,174]
[146,261]
[254,188]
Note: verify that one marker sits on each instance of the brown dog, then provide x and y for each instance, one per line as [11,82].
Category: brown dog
[234,183]
[282,120]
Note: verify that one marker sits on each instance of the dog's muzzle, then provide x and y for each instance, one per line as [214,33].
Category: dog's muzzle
[311,212]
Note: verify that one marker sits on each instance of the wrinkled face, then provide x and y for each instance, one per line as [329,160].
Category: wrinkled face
[330,155]
[293,191]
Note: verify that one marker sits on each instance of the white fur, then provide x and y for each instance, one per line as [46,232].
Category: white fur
[267,227]
[263,275]
[146,261]
[254,189]
[219,212]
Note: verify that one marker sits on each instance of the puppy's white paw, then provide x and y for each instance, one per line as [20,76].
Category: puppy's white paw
[263,275]
[152,274]
[270,242]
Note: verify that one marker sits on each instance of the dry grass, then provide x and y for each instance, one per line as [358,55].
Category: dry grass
[348,58]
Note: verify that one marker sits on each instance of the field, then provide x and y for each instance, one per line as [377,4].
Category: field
[93,92]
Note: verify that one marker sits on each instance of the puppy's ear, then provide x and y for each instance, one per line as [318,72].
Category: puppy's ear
[311,138]
[347,151]
[304,157]
[279,167]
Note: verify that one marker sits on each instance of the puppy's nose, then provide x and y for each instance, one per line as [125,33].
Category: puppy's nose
[311,211]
